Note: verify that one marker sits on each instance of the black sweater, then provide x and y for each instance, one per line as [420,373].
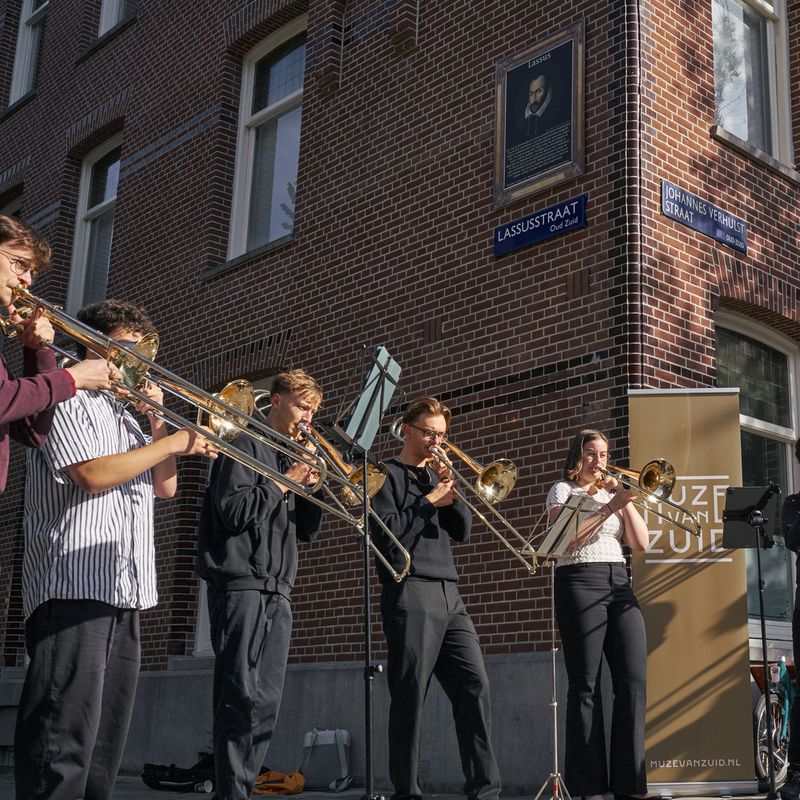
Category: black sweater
[422,528]
[249,528]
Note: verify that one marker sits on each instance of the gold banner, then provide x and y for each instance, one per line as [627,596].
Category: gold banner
[693,594]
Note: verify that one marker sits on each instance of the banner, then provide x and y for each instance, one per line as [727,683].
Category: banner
[693,595]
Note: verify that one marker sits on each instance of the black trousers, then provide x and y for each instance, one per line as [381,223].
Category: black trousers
[598,614]
[794,717]
[250,633]
[77,699]
[428,632]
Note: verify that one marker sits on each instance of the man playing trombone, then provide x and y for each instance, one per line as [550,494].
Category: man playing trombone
[247,554]
[26,403]
[88,568]
[428,631]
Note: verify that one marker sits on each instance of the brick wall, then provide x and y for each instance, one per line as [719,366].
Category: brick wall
[393,245]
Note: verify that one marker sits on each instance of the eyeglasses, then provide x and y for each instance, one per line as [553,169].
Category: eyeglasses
[19,264]
[428,434]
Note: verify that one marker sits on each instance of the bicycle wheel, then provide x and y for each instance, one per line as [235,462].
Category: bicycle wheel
[780,741]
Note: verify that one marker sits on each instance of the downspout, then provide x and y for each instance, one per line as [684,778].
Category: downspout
[633,167]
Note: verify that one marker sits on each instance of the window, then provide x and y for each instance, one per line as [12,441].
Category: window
[31,22]
[95,225]
[12,204]
[269,141]
[113,12]
[751,73]
[764,367]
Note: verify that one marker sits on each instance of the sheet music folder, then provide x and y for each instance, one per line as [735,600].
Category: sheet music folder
[362,419]
[564,528]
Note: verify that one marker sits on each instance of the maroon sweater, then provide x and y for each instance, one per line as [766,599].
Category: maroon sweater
[26,404]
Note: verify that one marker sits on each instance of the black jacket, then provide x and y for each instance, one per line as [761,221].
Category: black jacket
[422,528]
[249,528]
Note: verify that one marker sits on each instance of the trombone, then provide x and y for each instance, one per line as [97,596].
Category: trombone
[351,479]
[654,484]
[135,364]
[348,477]
[493,484]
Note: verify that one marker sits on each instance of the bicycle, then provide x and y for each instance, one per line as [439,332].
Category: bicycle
[781,699]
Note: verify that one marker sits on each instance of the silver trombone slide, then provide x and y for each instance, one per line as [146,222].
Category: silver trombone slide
[222,446]
[524,552]
[358,494]
[173,384]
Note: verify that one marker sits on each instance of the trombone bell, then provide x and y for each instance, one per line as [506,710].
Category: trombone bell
[654,484]
[496,480]
[239,394]
[376,475]
[133,370]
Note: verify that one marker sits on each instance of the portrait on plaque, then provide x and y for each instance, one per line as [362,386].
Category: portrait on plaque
[539,116]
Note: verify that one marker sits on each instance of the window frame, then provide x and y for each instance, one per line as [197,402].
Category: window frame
[112,13]
[84,216]
[31,23]
[248,124]
[779,633]
[777,50]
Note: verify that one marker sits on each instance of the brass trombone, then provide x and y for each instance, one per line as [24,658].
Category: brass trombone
[654,484]
[135,364]
[493,483]
[349,478]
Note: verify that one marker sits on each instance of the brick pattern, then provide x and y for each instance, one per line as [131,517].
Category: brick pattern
[393,245]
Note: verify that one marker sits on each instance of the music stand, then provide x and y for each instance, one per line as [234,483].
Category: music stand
[556,540]
[358,426]
[749,520]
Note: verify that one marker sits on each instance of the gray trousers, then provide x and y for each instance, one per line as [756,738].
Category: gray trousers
[428,632]
[250,633]
[77,699]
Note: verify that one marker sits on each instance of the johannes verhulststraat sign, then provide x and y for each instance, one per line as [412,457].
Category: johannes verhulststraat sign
[702,216]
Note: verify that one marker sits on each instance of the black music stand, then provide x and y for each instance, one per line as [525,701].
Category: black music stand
[358,427]
[555,542]
[749,520]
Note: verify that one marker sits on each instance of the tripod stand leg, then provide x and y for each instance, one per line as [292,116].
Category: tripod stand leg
[559,790]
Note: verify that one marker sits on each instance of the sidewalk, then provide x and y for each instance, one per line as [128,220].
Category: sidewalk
[132,788]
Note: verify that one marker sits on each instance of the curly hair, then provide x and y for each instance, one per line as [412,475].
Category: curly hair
[572,465]
[106,315]
[16,232]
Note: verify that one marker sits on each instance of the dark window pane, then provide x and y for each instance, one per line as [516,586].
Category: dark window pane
[760,372]
[764,462]
[279,74]
[105,174]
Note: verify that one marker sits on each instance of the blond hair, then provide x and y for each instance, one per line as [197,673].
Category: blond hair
[298,381]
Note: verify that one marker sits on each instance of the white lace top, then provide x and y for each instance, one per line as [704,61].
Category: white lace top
[605,545]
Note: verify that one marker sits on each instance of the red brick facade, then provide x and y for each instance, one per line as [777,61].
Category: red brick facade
[393,245]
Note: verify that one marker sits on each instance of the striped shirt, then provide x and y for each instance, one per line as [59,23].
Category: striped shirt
[82,546]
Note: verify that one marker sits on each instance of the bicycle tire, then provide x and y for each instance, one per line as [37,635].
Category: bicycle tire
[780,744]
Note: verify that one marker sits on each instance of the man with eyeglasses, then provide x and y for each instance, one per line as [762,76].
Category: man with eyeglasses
[427,628]
[27,402]
[88,570]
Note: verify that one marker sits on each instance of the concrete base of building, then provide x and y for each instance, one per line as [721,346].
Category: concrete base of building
[172,719]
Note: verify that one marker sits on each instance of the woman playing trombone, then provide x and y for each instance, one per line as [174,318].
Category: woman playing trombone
[598,613]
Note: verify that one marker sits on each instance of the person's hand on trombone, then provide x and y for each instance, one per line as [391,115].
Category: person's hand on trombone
[35,331]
